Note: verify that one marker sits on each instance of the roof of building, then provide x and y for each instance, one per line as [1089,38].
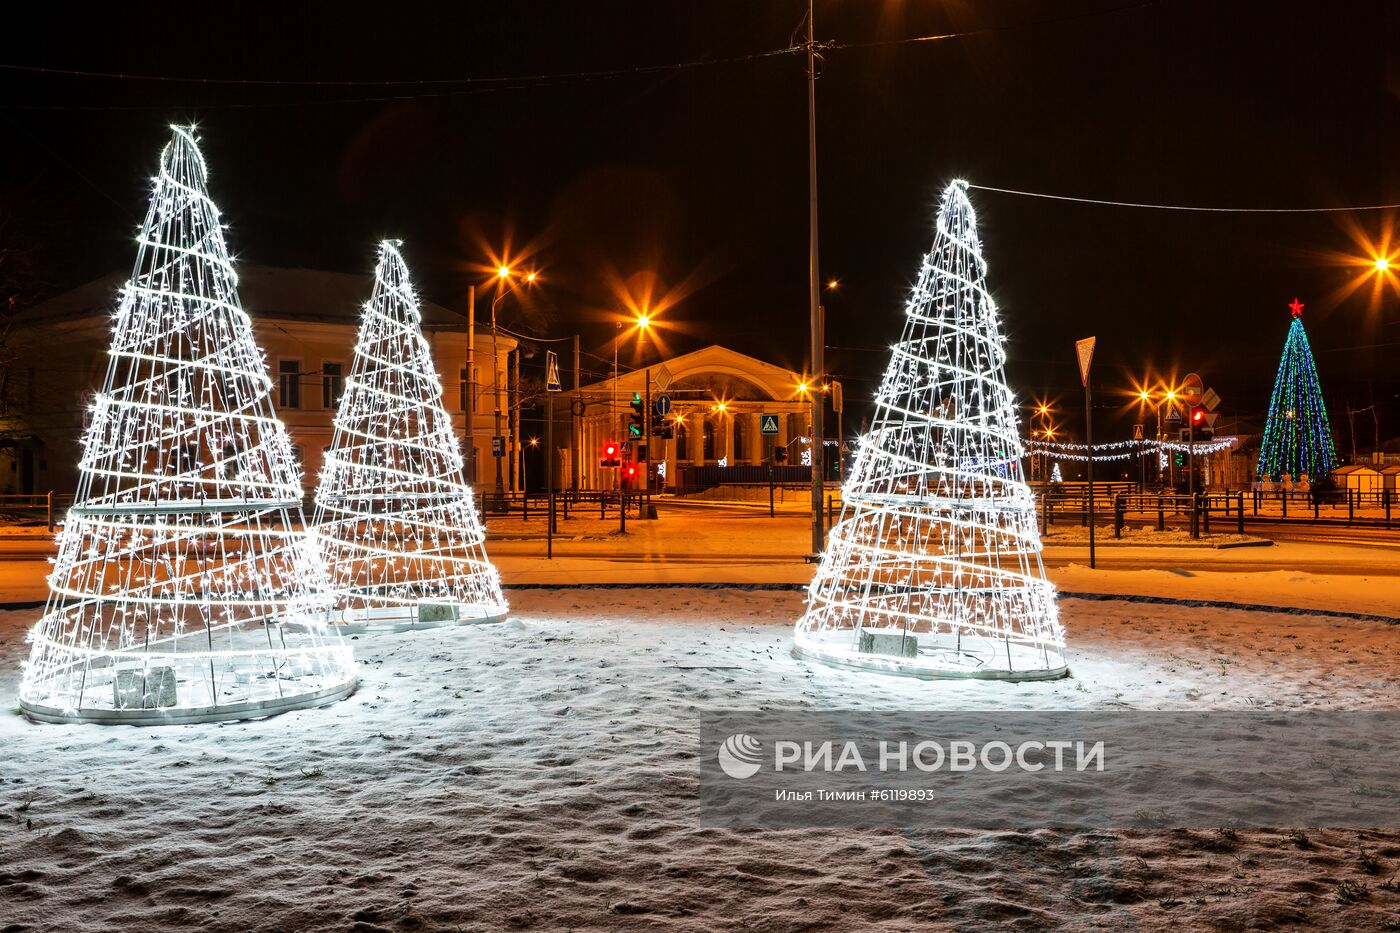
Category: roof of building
[1355,468]
[775,382]
[267,292]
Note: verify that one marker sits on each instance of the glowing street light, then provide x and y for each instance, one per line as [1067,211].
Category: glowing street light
[503,272]
[1382,264]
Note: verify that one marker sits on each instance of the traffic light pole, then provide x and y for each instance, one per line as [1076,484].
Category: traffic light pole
[1191,471]
[646,428]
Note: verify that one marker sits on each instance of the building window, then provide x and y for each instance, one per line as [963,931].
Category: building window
[289,383]
[332,384]
[707,433]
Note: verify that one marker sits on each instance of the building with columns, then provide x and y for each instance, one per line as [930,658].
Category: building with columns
[305,320]
[717,396]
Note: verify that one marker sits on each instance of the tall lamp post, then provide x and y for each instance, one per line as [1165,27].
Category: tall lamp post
[814,293]
[502,276]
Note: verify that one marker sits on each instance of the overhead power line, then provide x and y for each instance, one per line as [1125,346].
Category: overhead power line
[1188,207]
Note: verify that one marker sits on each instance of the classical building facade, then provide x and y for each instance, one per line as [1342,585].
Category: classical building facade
[305,321]
[717,397]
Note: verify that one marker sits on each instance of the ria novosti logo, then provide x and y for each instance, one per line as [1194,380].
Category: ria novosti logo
[740,756]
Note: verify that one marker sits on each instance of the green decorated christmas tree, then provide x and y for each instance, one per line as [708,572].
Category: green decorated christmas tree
[1297,437]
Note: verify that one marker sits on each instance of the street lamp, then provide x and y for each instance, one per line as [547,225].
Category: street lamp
[503,274]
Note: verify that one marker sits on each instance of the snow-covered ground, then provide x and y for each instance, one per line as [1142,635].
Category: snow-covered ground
[541,775]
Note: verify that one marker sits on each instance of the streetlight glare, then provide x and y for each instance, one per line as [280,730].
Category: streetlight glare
[1382,264]
[644,321]
[531,276]
[503,272]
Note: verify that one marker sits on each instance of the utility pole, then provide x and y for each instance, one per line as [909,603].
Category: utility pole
[469,435]
[517,482]
[616,419]
[496,453]
[814,294]
[577,434]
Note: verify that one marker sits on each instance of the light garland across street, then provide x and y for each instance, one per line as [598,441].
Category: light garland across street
[396,522]
[1127,450]
[184,588]
[934,568]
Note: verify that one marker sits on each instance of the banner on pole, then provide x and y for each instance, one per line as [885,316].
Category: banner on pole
[551,372]
[1085,350]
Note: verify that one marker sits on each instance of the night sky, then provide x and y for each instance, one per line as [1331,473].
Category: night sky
[687,186]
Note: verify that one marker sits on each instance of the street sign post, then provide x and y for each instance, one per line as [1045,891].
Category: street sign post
[1084,350]
[768,427]
[663,405]
[552,385]
[498,445]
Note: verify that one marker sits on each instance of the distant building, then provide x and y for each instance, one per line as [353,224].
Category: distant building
[53,359]
[1358,477]
[717,397]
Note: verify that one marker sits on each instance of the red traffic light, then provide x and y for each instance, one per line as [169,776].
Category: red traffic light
[631,470]
[610,450]
[1198,416]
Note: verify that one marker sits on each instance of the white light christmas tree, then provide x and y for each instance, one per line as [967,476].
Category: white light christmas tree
[934,568]
[1055,476]
[396,524]
[185,588]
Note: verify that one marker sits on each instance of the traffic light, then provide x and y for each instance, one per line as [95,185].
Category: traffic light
[661,428]
[637,420]
[780,454]
[1179,458]
[610,458]
[1198,425]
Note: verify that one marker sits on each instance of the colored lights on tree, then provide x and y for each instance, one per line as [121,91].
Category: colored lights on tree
[934,569]
[184,589]
[396,523]
[1297,435]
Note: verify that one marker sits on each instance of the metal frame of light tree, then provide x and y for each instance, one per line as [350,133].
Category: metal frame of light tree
[396,522]
[184,589]
[934,569]
[1297,435]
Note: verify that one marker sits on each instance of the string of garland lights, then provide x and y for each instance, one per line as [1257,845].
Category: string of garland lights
[1297,438]
[934,568]
[183,560]
[396,523]
[1127,450]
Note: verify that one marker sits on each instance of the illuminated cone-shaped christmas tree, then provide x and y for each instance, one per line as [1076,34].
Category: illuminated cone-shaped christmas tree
[395,519]
[934,569]
[185,588]
[1297,437]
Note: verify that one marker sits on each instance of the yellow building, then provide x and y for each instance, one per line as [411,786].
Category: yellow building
[717,397]
[306,321]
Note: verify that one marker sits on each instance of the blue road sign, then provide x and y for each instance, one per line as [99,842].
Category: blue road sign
[768,424]
[662,404]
